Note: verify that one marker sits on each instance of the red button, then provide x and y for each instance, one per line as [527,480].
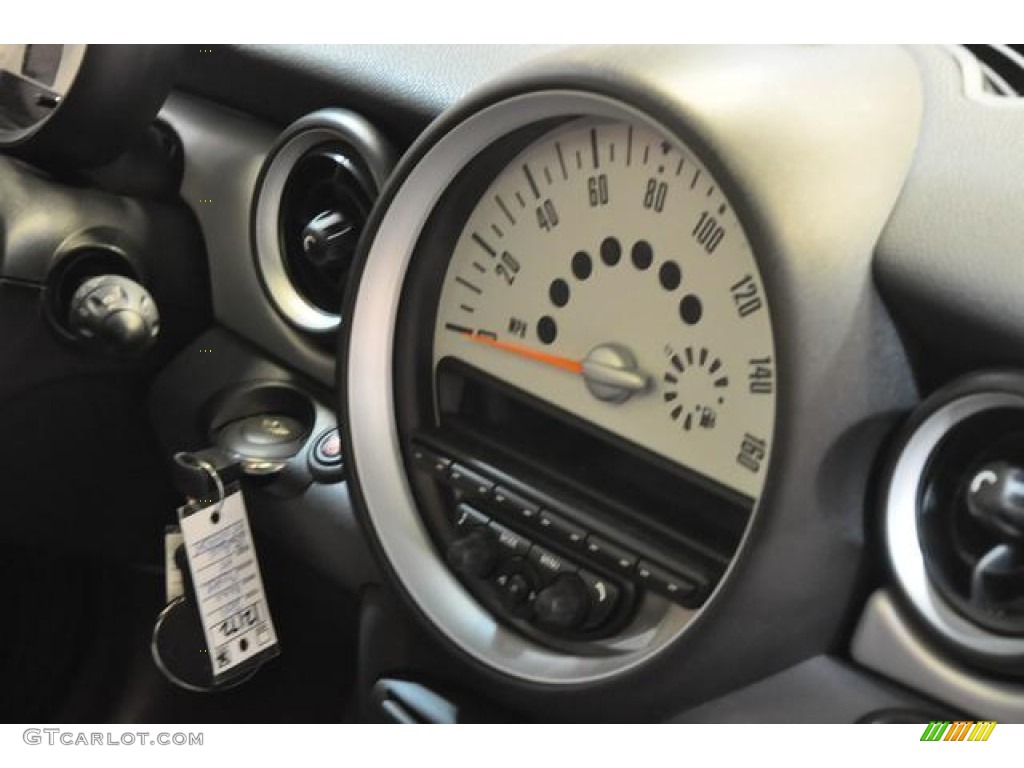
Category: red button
[331,447]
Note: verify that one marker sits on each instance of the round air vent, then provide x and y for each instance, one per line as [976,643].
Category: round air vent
[1002,66]
[314,194]
[954,525]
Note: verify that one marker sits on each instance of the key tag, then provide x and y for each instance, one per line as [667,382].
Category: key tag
[216,630]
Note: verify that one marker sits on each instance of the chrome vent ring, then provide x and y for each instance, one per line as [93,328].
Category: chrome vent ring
[313,196]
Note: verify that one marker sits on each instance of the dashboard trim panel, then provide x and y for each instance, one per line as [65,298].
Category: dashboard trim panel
[224,152]
[814,214]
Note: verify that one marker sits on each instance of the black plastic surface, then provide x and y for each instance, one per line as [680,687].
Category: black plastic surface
[115,95]
[311,520]
[44,222]
[820,690]
[390,648]
[70,416]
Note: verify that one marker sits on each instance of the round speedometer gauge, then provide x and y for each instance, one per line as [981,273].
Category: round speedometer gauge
[605,272]
[562,384]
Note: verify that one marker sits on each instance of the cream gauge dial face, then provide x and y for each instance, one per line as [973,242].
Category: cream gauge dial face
[605,272]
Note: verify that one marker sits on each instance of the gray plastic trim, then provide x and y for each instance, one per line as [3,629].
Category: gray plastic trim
[885,642]
[814,209]
[902,535]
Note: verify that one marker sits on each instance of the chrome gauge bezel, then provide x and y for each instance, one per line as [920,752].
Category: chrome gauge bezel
[369,387]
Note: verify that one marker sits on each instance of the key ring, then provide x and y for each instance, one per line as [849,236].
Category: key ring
[185,457]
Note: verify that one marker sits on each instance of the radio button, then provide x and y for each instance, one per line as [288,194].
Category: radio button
[471,484]
[467,517]
[515,587]
[563,530]
[604,596]
[510,541]
[671,585]
[430,462]
[516,506]
[548,563]
[611,554]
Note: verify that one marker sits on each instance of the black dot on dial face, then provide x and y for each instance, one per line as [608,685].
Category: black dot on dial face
[559,292]
[670,275]
[642,254]
[690,309]
[611,251]
[547,329]
[582,266]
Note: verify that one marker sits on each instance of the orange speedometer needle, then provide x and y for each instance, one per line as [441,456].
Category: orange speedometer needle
[565,363]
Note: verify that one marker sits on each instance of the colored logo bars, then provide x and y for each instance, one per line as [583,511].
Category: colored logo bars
[961,730]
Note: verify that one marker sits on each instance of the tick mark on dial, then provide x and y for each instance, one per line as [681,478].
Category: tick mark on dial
[533,184]
[484,244]
[463,281]
[561,161]
[505,210]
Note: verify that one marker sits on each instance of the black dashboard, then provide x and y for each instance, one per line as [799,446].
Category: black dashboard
[611,383]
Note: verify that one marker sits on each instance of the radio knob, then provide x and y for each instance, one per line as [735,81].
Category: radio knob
[475,554]
[563,604]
